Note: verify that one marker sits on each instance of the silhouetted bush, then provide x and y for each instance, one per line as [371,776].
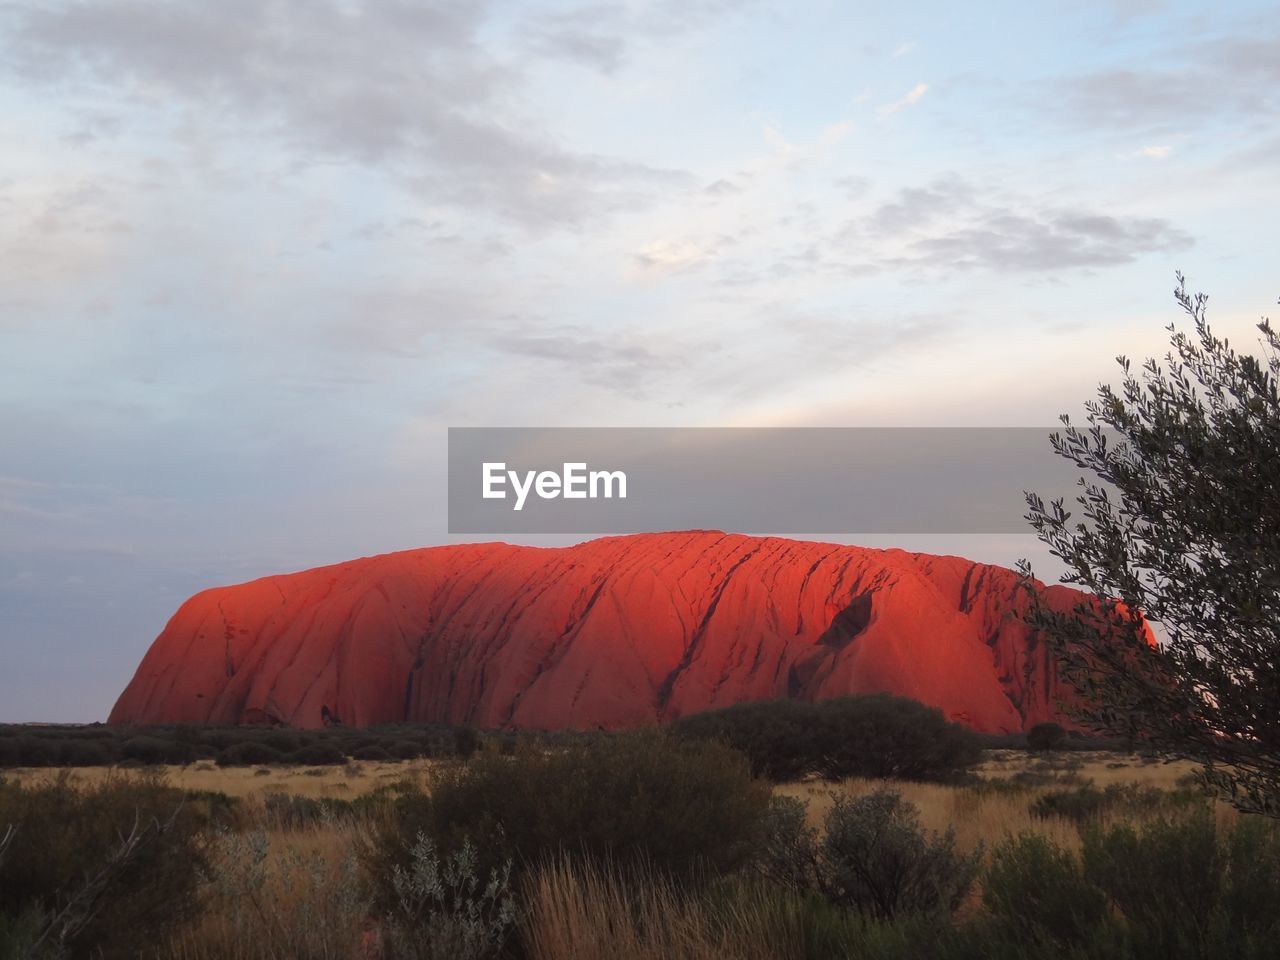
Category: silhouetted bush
[778,737]
[87,753]
[317,755]
[155,750]
[465,741]
[372,752]
[403,750]
[680,807]
[248,755]
[1046,736]
[886,736]
[870,736]
[66,834]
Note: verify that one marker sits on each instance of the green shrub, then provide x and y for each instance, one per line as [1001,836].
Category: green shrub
[882,736]
[317,755]
[872,857]
[778,737]
[869,736]
[371,752]
[1086,803]
[155,750]
[465,741]
[788,853]
[1035,891]
[876,859]
[87,753]
[1046,736]
[682,807]
[248,754]
[68,832]
[403,750]
[1168,890]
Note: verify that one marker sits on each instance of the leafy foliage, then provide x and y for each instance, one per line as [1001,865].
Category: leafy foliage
[1046,736]
[869,736]
[681,807]
[1181,522]
[444,911]
[1086,803]
[873,857]
[106,867]
[1037,892]
[1173,888]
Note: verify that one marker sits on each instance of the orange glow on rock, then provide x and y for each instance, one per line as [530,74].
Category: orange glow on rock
[614,632]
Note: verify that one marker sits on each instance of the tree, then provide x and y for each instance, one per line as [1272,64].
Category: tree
[1045,736]
[1180,530]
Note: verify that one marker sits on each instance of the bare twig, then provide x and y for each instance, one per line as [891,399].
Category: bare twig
[10,831]
[83,906]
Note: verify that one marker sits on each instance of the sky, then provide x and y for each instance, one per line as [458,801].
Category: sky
[256,256]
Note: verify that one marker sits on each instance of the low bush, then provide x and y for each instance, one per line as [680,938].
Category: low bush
[883,736]
[681,807]
[156,750]
[1046,736]
[444,909]
[248,754]
[317,755]
[1086,803]
[67,855]
[778,737]
[1168,890]
[869,736]
[872,857]
[1036,892]
[370,752]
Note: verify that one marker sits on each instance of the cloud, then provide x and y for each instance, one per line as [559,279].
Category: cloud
[909,99]
[904,48]
[951,224]
[1160,152]
[599,36]
[405,88]
[666,256]
[1214,80]
[618,363]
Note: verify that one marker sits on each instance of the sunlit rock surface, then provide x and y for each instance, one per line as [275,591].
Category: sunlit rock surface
[615,632]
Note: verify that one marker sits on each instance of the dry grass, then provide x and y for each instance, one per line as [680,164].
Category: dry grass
[580,912]
[338,782]
[989,816]
[304,908]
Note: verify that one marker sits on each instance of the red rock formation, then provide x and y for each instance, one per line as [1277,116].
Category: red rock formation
[614,632]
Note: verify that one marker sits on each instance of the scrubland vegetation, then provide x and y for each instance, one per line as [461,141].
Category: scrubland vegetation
[642,845]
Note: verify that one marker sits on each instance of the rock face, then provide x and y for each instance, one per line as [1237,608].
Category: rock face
[610,633]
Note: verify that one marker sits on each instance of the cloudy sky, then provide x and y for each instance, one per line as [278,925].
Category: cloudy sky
[257,255]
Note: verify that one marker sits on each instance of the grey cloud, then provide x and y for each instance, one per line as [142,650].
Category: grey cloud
[1211,79]
[394,85]
[1041,242]
[597,35]
[916,206]
[618,363]
[950,224]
